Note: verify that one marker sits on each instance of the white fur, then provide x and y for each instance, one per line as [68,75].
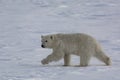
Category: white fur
[80,44]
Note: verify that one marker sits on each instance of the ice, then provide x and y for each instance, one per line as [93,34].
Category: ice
[22,22]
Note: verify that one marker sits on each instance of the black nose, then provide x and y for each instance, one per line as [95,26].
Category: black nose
[42,46]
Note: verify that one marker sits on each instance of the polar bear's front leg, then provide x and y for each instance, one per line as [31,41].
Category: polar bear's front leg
[67,58]
[52,57]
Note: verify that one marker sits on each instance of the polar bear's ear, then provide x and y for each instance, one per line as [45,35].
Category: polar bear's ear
[42,36]
[51,37]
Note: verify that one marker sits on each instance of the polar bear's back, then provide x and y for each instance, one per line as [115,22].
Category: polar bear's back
[76,37]
[78,42]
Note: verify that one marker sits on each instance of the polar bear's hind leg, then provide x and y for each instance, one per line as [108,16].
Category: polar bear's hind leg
[84,60]
[102,57]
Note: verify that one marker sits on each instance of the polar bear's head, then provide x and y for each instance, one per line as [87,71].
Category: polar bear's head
[48,41]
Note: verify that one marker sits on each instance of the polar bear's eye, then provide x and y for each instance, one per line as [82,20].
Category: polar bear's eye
[46,41]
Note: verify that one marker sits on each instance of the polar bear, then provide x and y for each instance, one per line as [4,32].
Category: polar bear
[80,44]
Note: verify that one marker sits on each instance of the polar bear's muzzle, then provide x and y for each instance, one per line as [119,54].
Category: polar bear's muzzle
[42,46]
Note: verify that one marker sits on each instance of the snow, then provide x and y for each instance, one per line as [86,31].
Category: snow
[22,22]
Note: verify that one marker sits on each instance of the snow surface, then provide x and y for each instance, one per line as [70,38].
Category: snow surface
[22,22]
